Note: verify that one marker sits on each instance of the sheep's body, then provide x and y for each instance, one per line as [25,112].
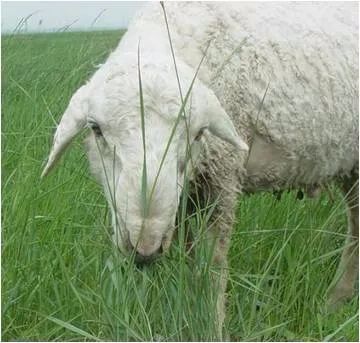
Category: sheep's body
[306,131]
[304,134]
[305,52]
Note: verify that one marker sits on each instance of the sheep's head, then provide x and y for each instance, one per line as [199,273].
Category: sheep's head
[141,153]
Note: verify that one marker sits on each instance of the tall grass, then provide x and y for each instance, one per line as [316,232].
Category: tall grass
[63,280]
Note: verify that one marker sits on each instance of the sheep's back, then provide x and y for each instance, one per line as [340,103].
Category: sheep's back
[306,130]
[307,54]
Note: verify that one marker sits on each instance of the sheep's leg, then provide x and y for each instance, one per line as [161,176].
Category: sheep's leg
[220,261]
[220,235]
[348,269]
[218,239]
[223,193]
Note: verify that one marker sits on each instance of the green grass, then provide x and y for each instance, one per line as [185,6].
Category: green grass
[61,277]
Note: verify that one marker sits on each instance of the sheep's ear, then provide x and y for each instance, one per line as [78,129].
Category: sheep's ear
[72,122]
[219,122]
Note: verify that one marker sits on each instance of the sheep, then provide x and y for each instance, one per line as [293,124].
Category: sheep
[273,105]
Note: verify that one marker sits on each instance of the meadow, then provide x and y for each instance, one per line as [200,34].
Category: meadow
[63,280]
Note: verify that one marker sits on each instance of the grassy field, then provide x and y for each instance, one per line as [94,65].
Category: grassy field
[61,278]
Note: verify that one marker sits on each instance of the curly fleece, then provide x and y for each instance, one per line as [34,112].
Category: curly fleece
[306,54]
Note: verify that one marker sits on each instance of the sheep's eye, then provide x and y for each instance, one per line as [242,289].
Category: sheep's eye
[96,129]
[199,134]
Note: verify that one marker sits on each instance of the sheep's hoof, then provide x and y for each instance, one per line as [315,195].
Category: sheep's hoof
[225,337]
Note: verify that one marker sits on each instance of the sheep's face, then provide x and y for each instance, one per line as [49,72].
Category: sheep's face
[143,196]
[142,160]
[143,171]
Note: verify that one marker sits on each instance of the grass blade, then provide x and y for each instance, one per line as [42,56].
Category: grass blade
[73,328]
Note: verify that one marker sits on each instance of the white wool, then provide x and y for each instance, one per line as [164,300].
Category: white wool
[305,132]
[305,52]
[303,55]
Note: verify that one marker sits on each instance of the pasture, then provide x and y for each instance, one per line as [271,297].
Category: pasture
[63,280]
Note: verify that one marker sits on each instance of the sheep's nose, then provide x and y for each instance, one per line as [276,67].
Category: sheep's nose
[141,259]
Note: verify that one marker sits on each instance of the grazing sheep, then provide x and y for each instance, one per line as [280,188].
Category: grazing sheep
[302,134]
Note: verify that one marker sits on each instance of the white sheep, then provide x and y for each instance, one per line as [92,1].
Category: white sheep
[302,134]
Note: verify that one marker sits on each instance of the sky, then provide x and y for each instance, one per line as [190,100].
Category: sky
[70,15]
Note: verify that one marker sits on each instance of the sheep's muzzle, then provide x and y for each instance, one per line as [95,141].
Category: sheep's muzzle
[142,259]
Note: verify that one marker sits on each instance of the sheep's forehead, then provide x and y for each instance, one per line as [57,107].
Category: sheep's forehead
[118,101]
[116,107]
[120,86]
[121,118]
[125,119]
[121,126]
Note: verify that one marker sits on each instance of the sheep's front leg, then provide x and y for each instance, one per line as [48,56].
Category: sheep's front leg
[219,234]
[220,281]
[347,273]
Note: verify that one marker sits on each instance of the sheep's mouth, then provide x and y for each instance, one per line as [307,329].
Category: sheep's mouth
[134,250]
[142,261]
